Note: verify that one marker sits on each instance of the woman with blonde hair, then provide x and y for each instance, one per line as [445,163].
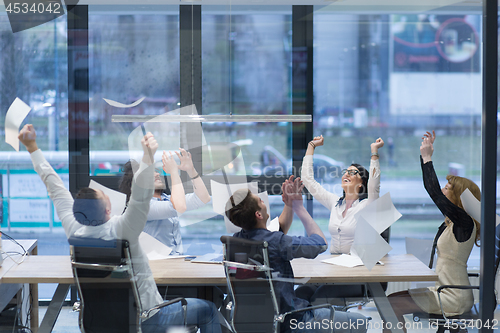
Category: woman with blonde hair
[455,238]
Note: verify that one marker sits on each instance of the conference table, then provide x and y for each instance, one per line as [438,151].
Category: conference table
[178,272]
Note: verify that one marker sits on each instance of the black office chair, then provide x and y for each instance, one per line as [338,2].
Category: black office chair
[459,323]
[253,301]
[107,287]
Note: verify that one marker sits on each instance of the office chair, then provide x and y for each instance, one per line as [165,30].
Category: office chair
[460,323]
[107,287]
[253,301]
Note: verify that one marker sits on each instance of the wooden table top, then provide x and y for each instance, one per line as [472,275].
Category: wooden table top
[57,269]
[15,251]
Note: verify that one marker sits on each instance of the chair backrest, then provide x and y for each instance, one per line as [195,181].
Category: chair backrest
[251,289]
[108,294]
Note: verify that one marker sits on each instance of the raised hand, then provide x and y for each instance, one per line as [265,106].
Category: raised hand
[27,136]
[169,164]
[430,136]
[427,146]
[292,190]
[186,160]
[149,146]
[375,146]
[318,141]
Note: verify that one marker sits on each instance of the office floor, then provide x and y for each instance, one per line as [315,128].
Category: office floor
[68,321]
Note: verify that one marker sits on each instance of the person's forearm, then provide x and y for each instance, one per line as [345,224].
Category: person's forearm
[199,186]
[178,196]
[309,224]
[426,158]
[32,147]
[286,219]
[310,149]
[374,151]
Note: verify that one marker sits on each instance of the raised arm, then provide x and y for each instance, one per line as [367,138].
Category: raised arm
[374,180]
[178,196]
[187,165]
[135,216]
[291,190]
[327,199]
[309,224]
[431,183]
[62,199]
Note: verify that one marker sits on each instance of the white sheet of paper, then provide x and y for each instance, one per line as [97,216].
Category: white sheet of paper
[271,225]
[116,198]
[274,224]
[473,206]
[368,244]
[121,105]
[222,192]
[345,260]
[420,248]
[154,249]
[17,112]
[380,214]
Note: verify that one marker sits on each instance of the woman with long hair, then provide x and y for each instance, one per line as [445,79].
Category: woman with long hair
[360,187]
[455,239]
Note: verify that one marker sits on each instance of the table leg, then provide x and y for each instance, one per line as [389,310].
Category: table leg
[34,307]
[384,306]
[49,320]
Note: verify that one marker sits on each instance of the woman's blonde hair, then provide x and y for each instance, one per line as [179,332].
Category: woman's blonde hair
[458,186]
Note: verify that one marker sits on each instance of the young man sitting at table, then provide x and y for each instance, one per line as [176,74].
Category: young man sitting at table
[89,216]
[248,211]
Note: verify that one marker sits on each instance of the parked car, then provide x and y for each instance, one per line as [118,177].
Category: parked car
[273,163]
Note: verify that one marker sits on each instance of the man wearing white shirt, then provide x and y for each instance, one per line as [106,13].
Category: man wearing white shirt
[89,216]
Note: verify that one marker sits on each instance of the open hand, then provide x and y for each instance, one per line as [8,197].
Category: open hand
[169,164]
[186,160]
[292,190]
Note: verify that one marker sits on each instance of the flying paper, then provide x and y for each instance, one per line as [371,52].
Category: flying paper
[154,249]
[368,245]
[380,214]
[473,206]
[17,112]
[116,198]
[120,105]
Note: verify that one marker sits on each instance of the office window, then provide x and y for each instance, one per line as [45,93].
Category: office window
[133,54]
[246,55]
[396,76]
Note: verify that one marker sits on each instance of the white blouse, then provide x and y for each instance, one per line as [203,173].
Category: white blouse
[341,228]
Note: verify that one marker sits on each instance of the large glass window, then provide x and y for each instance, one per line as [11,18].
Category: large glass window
[396,76]
[133,55]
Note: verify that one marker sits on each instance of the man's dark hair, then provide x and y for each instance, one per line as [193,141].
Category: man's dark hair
[241,208]
[88,208]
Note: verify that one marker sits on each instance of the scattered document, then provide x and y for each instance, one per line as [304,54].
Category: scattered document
[15,116]
[380,214]
[209,258]
[121,105]
[420,248]
[154,249]
[117,199]
[368,245]
[345,260]
[473,206]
